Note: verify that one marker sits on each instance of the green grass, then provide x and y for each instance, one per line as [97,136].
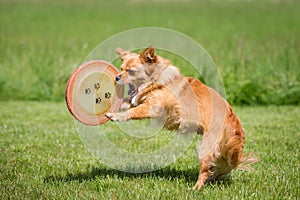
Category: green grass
[255,44]
[43,157]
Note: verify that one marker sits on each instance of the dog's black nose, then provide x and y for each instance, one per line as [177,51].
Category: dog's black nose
[118,78]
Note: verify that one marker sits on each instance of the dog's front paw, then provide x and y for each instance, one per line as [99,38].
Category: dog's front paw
[110,116]
[117,117]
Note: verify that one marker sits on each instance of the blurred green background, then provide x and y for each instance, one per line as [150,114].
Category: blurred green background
[255,44]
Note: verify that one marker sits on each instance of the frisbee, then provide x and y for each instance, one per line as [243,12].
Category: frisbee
[92,91]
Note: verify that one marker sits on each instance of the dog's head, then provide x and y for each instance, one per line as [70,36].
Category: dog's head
[137,69]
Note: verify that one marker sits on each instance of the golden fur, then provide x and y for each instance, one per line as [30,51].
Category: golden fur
[158,89]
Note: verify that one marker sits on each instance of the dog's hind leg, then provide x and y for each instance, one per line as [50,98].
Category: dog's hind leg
[204,173]
[208,155]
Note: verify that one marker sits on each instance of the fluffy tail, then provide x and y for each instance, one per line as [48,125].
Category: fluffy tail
[246,160]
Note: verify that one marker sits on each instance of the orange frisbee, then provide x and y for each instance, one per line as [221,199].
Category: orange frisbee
[92,91]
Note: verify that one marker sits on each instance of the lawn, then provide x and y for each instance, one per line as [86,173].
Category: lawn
[42,157]
[255,45]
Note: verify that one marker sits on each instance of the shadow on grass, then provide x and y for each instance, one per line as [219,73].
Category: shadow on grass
[189,176]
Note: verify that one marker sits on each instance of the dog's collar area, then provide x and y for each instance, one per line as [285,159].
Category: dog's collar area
[136,95]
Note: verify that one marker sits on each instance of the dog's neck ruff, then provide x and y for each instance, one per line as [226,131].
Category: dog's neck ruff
[165,75]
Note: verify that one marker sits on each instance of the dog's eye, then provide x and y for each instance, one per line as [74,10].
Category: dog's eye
[131,72]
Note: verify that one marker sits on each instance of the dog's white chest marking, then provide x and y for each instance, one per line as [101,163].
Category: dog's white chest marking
[134,100]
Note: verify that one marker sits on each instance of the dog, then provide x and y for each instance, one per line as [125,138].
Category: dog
[157,89]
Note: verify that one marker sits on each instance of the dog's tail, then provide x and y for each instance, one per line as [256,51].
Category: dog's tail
[246,161]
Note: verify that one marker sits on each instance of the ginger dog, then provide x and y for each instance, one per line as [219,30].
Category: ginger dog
[158,89]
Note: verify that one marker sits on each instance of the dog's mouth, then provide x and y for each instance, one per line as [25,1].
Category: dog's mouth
[132,90]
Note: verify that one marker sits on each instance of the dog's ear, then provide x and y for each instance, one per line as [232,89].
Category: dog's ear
[120,51]
[123,53]
[148,56]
